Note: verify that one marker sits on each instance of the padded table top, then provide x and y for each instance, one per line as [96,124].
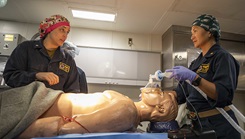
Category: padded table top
[111,136]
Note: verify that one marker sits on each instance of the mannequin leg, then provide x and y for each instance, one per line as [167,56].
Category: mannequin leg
[44,127]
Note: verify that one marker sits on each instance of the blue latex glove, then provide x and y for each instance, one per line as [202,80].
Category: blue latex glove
[182,73]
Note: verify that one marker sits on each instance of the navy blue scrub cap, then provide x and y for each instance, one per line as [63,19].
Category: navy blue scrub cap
[209,23]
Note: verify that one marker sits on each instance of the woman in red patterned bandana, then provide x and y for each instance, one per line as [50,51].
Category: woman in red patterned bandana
[43,60]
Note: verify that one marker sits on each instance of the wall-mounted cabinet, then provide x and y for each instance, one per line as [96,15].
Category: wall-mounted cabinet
[117,67]
[8,42]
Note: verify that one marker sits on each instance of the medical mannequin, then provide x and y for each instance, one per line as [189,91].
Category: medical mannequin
[109,111]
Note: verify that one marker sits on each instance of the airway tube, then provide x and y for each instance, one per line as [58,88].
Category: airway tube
[231,121]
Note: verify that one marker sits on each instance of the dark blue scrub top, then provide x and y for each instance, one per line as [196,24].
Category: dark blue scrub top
[217,66]
[31,57]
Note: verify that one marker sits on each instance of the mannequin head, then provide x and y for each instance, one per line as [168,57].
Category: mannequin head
[161,105]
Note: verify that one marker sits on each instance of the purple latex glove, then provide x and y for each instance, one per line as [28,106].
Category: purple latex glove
[182,73]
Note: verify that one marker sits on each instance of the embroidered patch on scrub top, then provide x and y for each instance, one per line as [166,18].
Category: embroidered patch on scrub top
[64,67]
[203,68]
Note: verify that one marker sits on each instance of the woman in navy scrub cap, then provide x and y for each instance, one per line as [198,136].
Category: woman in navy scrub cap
[215,72]
[43,60]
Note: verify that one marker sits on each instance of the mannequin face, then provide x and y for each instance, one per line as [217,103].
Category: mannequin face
[151,96]
[164,105]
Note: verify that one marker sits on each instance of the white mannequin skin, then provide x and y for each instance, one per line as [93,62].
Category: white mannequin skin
[109,111]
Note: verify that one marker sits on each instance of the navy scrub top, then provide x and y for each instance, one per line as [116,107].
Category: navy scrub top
[31,57]
[217,66]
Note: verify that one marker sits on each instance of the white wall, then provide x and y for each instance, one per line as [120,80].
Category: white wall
[116,40]
[91,37]
[26,30]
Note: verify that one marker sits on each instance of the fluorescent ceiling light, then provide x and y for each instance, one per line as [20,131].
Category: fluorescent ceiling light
[93,15]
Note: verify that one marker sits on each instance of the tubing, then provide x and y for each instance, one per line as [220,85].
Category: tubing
[223,112]
[231,121]
[238,113]
[198,89]
[159,76]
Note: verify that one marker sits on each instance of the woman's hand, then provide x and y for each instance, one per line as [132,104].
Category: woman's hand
[50,77]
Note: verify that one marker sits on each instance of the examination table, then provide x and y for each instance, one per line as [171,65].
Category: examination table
[155,130]
[112,136]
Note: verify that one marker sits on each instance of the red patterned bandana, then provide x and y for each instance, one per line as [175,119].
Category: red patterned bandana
[51,23]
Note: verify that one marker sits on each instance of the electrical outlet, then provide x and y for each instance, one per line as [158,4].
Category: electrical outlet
[130,41]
